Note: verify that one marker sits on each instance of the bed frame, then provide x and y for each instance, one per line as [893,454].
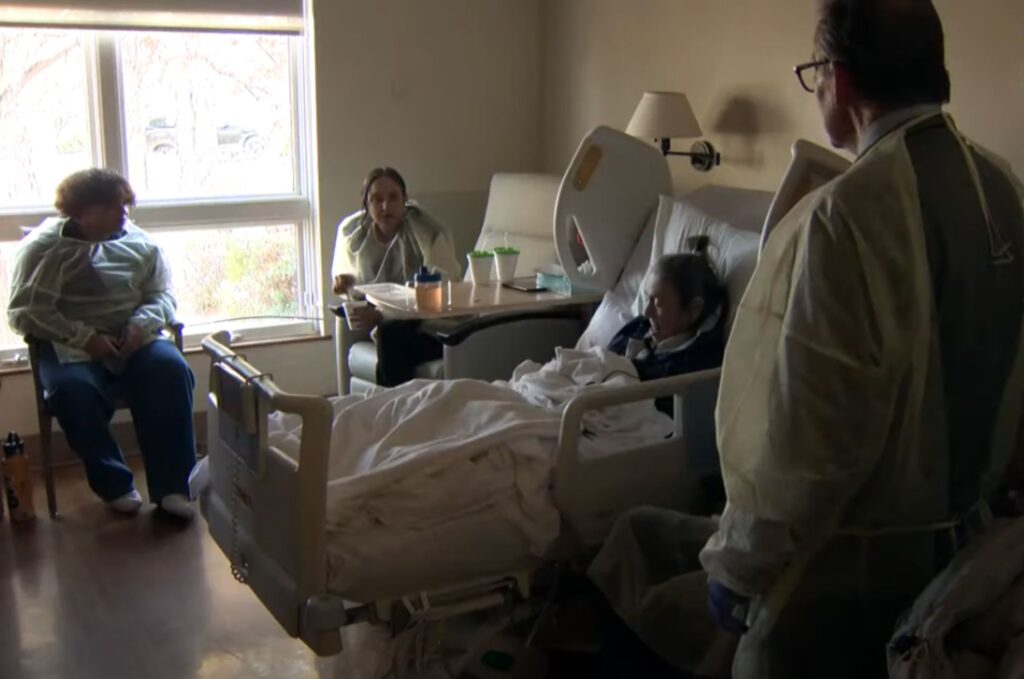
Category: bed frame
[266,511]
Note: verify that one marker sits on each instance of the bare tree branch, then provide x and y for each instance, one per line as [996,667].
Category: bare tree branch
[31,72]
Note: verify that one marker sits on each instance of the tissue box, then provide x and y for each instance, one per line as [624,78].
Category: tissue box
[554,282]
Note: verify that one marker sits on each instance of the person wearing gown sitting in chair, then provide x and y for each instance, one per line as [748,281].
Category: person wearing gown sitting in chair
[94,290]
[681,329]
[388,241]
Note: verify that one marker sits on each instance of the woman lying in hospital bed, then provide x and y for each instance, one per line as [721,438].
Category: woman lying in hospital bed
[426,453]
[682,328]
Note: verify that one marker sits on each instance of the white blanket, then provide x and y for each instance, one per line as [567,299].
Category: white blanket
[427,451]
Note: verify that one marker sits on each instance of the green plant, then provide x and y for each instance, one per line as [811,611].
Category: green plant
[481,254]
[506,251]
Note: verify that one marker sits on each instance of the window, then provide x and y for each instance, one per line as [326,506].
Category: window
[208,115]
[44,114]
[7,337]
[209,129]
[243,278]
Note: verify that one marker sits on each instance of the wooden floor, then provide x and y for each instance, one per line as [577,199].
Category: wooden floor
[95,595]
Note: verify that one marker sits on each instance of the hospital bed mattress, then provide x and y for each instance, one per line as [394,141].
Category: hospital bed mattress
[384,562]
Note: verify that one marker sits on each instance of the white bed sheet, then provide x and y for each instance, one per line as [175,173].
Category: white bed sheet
[381,561]
[385,562]
[435,482]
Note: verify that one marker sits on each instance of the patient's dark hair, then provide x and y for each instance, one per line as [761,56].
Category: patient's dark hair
[691,275]
[894,50]
[375,174]
[88,188]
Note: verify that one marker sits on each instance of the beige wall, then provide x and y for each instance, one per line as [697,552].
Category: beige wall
[734,59]
[985,54]
[447,91]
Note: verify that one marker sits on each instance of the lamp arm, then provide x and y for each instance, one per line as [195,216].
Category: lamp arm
[702,154]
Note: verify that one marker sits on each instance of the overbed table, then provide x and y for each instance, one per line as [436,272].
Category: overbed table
[466,299]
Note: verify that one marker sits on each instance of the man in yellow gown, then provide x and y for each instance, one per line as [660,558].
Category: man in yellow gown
[871,393]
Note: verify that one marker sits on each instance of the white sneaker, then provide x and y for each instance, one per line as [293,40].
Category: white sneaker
[178,506]
[129,503]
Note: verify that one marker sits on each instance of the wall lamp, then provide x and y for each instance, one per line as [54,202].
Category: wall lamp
[663,116]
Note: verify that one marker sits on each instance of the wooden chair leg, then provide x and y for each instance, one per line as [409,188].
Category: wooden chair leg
[46,457]
[45,427]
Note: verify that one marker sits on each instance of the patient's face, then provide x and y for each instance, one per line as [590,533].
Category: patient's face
[667,313]
[386,203]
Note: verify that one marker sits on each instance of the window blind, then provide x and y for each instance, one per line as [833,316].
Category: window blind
[243,16]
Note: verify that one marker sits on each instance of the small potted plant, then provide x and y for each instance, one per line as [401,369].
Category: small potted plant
[480,266]
[505,259]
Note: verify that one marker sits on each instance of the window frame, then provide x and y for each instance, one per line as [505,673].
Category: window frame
[109,148]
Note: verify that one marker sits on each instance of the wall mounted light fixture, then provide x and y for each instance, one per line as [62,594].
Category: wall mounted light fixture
[663,116]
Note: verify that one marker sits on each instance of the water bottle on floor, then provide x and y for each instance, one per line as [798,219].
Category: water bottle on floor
[17,479]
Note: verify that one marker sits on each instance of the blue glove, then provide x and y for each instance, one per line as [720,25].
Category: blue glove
[728,609]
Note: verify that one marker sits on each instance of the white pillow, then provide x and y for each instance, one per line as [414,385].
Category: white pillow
[733,253]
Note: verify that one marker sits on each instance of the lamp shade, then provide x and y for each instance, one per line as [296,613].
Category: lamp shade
[664,115]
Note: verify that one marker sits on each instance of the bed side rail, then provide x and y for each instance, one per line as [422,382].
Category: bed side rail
[266,510]
[591,493]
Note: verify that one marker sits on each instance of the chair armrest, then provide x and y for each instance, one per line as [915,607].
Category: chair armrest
[460,332]
[595,399]
[176,330]
[344,339]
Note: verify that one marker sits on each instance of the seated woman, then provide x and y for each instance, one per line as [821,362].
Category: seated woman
[388,241]
[681,329]
[94,289]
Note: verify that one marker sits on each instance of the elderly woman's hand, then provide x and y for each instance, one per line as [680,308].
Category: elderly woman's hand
[101,347]
[132,339]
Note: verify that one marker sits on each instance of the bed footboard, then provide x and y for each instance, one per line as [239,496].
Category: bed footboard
[266,510]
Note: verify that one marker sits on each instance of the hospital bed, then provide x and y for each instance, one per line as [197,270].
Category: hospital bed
[812,167]
[267,509]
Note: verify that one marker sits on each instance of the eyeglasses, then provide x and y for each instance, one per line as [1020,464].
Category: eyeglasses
[803,76]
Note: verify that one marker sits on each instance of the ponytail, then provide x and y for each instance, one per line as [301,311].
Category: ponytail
[699,245]
[693,275]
